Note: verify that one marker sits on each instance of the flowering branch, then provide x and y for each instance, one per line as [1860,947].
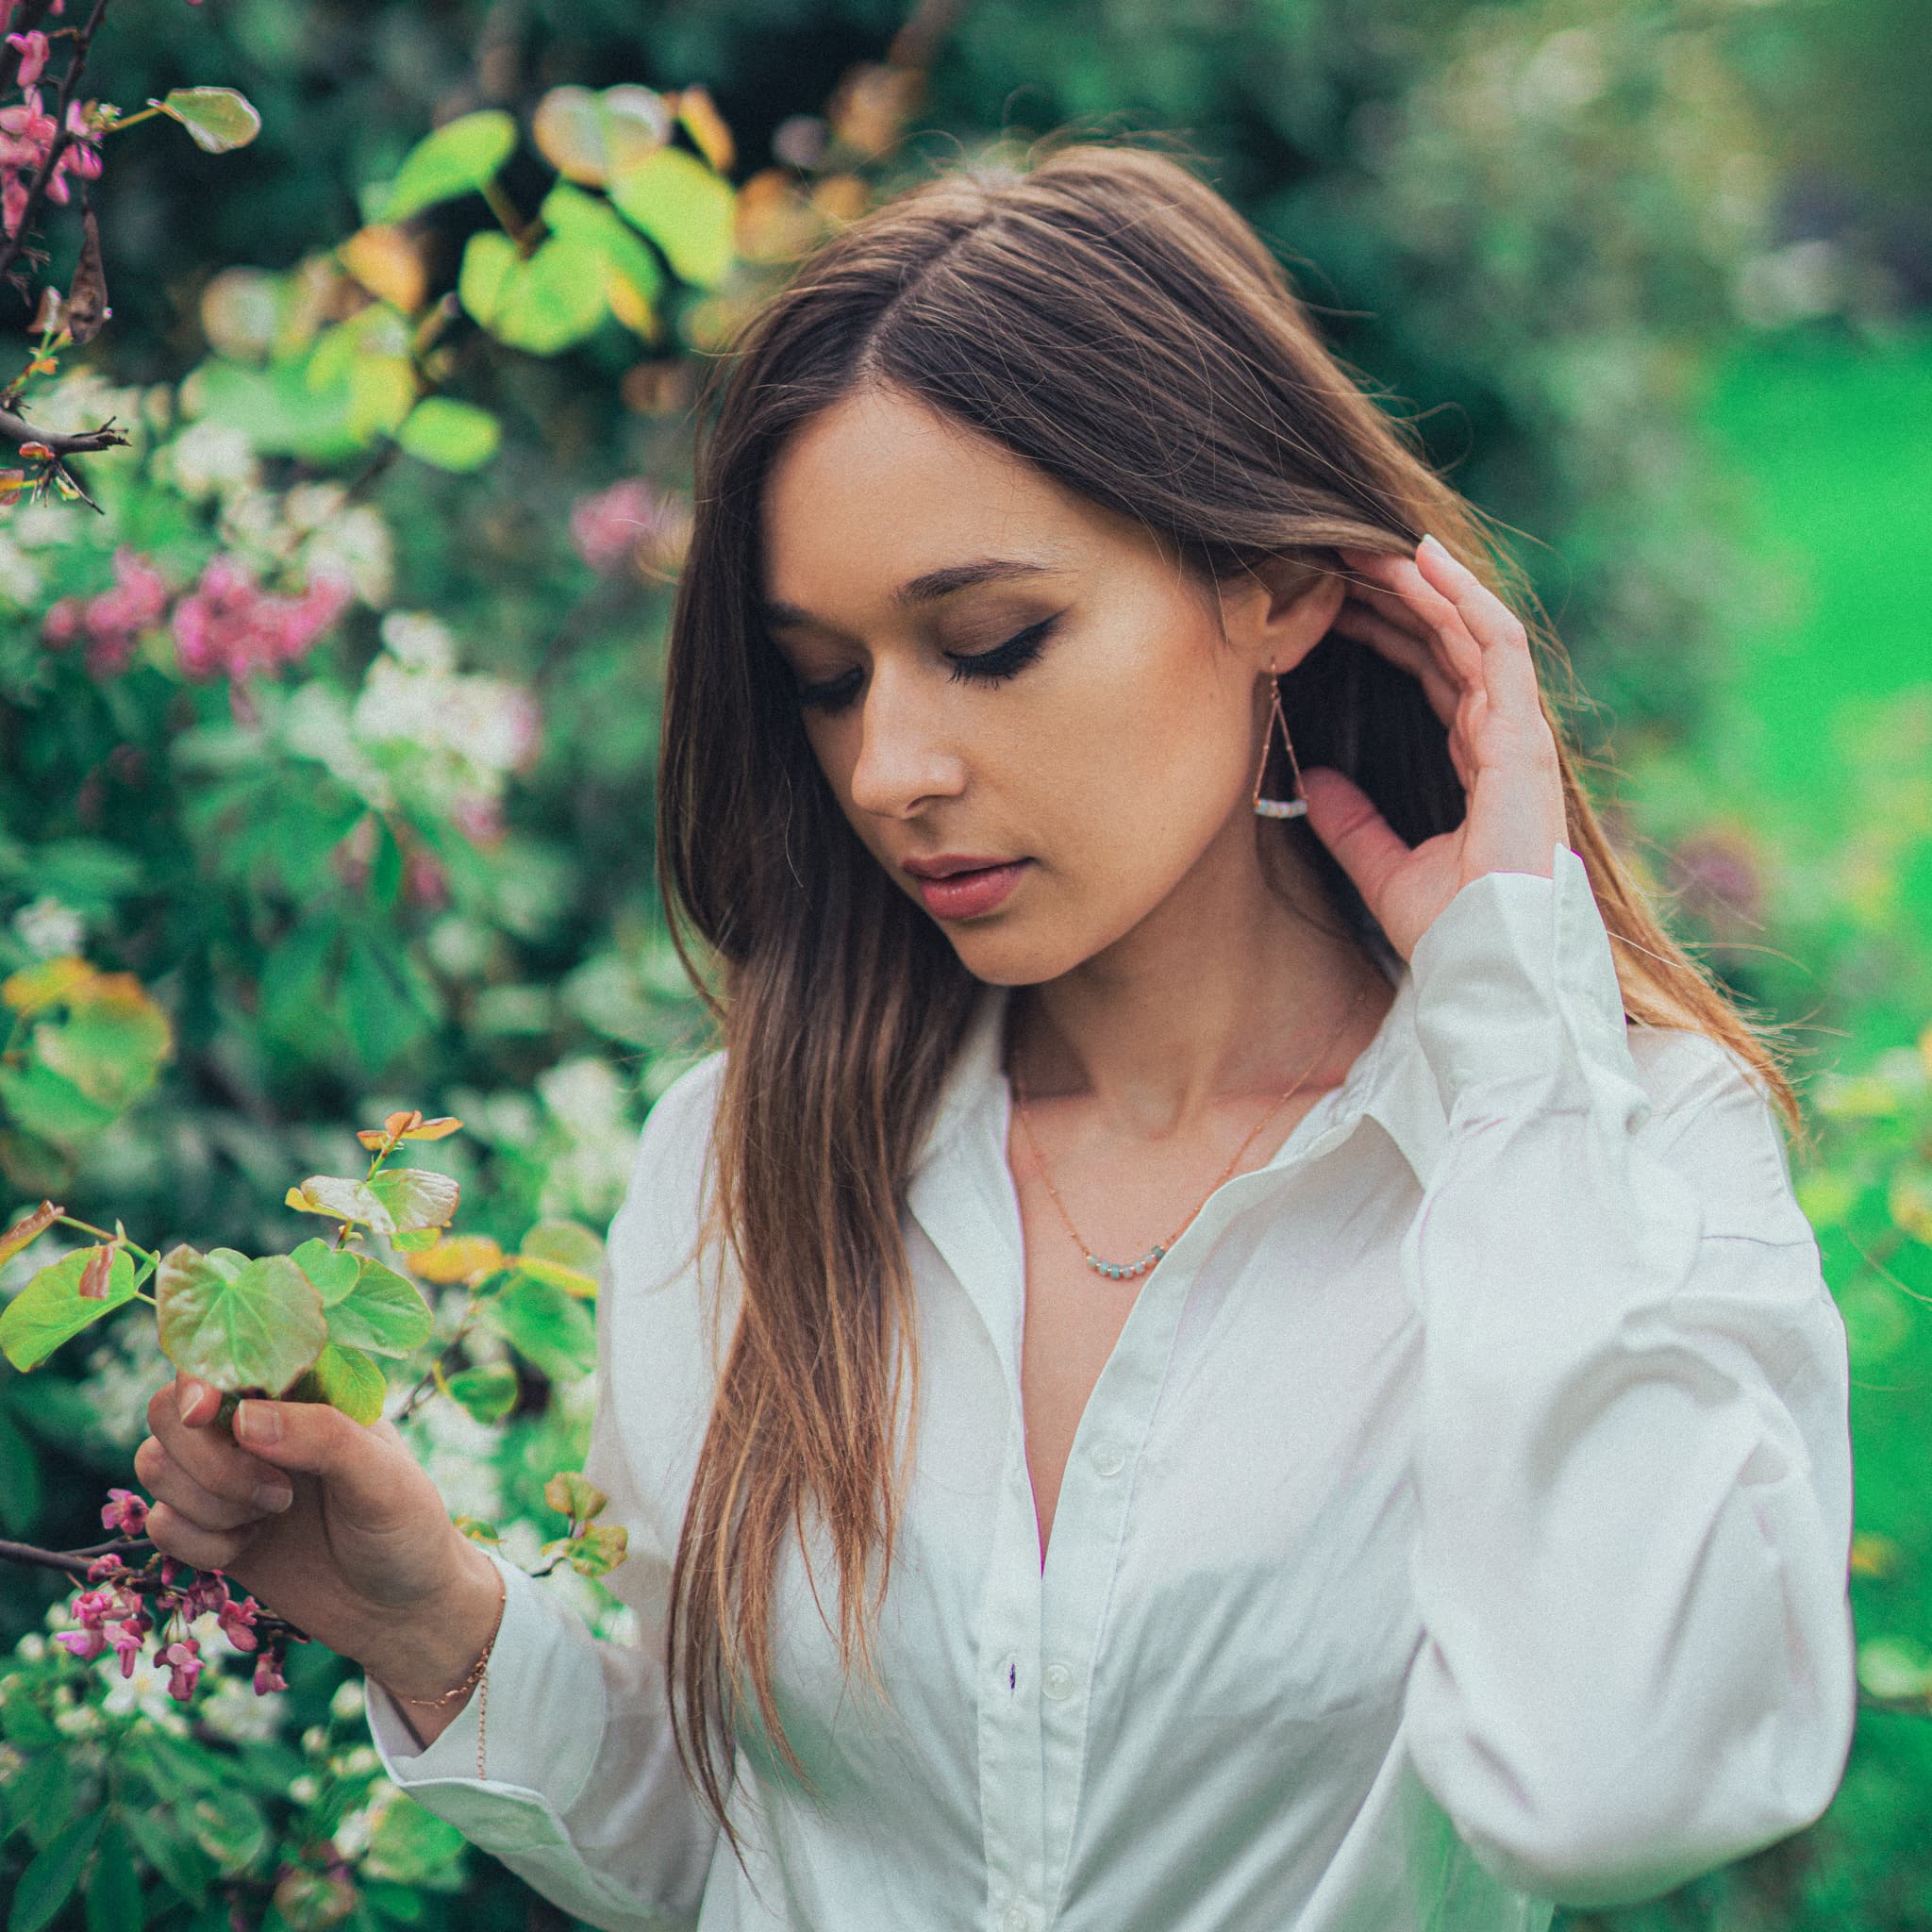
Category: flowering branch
[16,429]
[63,134]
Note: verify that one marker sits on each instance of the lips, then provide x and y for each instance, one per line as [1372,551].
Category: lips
[969,890]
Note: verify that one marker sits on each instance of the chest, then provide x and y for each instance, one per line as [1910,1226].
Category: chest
[1121,1202]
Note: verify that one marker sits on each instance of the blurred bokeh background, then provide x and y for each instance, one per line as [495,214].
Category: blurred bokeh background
[335,728]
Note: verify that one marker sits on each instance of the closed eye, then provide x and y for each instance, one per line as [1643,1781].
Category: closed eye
[991,667]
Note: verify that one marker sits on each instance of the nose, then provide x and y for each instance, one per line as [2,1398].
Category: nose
[904,756]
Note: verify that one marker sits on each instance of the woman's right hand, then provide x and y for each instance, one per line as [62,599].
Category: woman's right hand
[364,1541]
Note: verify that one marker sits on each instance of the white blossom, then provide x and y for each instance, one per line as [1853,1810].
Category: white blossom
[47,928]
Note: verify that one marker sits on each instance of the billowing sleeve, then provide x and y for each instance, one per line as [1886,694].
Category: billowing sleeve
[1632,1461]
[583,1798]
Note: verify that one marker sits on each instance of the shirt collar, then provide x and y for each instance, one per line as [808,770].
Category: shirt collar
[1390,1081]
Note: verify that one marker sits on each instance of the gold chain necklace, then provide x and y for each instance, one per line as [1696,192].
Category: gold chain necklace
[1122,1271]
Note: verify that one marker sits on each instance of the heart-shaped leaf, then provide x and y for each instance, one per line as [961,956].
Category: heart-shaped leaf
[396,1201]
[347,1380]
[450,434]
[217,118]
[238,1324]
[572,1493]
[589,137]
[332,1270]
[566,1256]
[684,208]
[50,1310]
[462,157]
[457,1257]
[543,305]
[385,1313]
[545,1326]
[488,1390]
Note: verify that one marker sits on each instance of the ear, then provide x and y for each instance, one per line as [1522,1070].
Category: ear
[1281,608]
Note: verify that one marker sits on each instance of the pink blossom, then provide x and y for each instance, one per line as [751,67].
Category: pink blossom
[228,626]
[268,1673]
[608,525]
[33,49]
[184,1661]
[238,1623]
[85,1643]
[127,1639]
[126,1511]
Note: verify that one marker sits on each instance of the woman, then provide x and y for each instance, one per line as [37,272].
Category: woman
[1227,1343]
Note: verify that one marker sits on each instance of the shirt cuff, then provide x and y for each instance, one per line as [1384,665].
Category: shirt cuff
[545,1723]
[1516,988]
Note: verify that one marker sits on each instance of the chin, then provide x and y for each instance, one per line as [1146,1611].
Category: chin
[1016,956]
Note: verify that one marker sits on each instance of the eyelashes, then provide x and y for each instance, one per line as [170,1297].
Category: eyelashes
[991,667]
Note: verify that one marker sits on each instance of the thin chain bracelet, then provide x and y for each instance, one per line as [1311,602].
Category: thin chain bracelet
[480,1671]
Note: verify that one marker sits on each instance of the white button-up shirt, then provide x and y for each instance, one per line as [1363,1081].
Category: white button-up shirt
[1461,1522]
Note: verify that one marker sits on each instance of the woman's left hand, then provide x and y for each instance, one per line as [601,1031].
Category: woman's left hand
[1471,654]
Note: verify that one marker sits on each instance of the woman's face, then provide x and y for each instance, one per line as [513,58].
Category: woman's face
[994,670]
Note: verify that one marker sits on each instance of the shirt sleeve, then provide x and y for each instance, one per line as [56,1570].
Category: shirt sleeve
[1633,1459]
[584,1798]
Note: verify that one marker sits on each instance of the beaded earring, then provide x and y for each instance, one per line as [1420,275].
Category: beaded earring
[1278,807]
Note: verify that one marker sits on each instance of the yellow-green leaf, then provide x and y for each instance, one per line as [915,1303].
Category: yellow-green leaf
[462,157]
[450,434]
[684,208]
[51,1310]
[217,118]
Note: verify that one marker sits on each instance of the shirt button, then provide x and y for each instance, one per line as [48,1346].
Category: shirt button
[1108,1459]
[1057,1682]
[1016,1919]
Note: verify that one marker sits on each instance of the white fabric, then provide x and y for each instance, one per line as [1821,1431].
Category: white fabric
[1461,1523]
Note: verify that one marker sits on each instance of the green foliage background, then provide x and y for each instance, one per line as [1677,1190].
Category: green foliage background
[1655,300]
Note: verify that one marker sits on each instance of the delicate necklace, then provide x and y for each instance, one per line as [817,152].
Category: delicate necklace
[1122,1271]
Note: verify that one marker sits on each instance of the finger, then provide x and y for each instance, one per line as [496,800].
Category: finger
[1344,818]
[1404,650]
[1508,670]
[208,1508]
[359,1465]
[173,1535]
[1401,592]
[210,1456]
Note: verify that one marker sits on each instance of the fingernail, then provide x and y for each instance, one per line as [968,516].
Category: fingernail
[189,1393]
[1430,542]
[258,1422]
[274,1496]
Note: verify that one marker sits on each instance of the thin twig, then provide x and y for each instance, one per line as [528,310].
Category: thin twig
[63,136]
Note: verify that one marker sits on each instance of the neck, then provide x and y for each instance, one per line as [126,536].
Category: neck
[1222,993]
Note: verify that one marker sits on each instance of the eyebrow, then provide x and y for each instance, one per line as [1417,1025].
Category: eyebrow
[931,584]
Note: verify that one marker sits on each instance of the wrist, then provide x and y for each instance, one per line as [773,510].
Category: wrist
[430,1651]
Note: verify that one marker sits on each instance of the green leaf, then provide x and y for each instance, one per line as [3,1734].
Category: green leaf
[50,1310]
[332,1270]
[217,118]
[488,1390]
[543,305]
[113,1887]
[412,1846]
[181,1862]
[293,975]
[684,208]
[549,1328]
[228,1827]
[462,157]
[384,1020]
[450,434]
[397,1200]
[632,278]
[109,1049]
[347,1380]
[385,1313]
[238,1324]
[48,1881]
[566,1256]
[50,1105]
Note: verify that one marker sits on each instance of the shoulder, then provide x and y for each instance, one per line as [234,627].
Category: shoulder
[1712,1120]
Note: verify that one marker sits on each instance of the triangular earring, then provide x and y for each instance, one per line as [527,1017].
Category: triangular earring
[1278,807]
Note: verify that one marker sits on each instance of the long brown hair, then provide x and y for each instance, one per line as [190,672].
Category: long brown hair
[1108,317]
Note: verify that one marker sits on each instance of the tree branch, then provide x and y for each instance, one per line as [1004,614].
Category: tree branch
[16,429]
[12,245]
